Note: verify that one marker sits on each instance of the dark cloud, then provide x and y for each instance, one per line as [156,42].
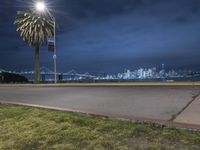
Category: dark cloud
[110,35]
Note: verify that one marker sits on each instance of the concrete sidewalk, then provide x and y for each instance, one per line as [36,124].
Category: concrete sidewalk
[191,114]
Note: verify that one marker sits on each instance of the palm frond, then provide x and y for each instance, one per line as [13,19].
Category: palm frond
[33,28]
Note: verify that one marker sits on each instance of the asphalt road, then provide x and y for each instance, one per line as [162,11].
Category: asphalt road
[151,102]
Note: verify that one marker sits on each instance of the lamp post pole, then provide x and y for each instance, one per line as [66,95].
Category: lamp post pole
[54,55]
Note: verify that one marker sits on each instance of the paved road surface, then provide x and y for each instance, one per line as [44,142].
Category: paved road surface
[151,102]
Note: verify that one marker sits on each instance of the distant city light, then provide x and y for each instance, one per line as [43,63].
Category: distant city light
[138,74]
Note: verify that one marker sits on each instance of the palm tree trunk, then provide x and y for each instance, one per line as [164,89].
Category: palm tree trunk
[37,65]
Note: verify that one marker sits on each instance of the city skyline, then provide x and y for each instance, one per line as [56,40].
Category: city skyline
[153,73]
[159,67]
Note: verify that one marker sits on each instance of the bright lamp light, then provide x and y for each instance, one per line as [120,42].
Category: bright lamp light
[40,6]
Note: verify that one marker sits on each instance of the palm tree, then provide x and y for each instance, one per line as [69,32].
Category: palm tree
[35,29]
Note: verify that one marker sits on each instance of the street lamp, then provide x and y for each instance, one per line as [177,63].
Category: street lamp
[41,7]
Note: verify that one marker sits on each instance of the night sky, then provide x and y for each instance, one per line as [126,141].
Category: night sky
[108,36]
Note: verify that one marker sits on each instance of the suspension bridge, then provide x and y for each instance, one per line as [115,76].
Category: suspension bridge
[48,75]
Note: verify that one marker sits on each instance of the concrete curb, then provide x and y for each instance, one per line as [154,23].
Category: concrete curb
[134,119]
[129,84]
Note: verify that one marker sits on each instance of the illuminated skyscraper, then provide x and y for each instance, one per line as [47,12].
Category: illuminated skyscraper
[163,66]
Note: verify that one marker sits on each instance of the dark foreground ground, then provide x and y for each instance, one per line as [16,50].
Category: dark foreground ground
[24,128]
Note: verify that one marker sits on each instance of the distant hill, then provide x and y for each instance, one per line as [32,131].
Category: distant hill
[12,78]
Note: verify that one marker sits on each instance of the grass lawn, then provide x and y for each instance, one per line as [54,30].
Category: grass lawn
[26,128]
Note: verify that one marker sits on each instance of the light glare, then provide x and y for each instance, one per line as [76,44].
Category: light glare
[40,6]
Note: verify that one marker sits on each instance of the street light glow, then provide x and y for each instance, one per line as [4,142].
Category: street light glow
[40,6]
